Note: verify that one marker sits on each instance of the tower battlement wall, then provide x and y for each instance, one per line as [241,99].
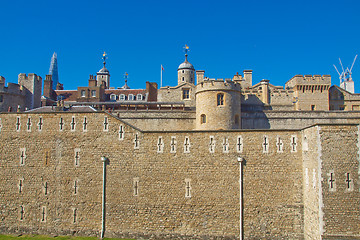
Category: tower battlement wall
[308,80]
[218,85]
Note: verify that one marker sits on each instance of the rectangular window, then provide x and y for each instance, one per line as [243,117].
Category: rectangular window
[312,107]
[83,93]
[93,93]
[220,99]
[186,93]
[1,98]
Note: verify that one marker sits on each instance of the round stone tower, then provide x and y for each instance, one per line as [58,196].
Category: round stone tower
[218,105]
[186,72]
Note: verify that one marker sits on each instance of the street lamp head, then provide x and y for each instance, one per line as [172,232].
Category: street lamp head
[104,159]
[240,159]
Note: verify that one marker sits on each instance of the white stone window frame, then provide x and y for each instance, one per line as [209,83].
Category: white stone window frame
[188,188]
[331,181]
[160,145]
[187,147]
[121,132]
[351,184]
[173,144]
[21,185]
[279,145]
[77,157]
[265,144]
[293,143]
[73,124]
[122,97]
[18,124]
[93,93]
[139,97]
[239,144]
[212,144]
[136,141]
[85,125]
[22,156]
[83,93]
[28,124]
[61,124]
[226,145]
[113,97]
[106,124]
[40,126]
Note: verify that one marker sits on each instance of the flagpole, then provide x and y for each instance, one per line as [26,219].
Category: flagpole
[161,67]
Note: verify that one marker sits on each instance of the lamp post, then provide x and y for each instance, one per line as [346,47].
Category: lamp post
[241,233]
[105,161]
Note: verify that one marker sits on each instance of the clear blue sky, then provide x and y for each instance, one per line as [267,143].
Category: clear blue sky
[276,39]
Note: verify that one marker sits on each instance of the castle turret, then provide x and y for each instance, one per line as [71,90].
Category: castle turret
[186,72]
[103,75]
[218,105]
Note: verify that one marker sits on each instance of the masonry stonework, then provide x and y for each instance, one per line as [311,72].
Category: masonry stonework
[184,191]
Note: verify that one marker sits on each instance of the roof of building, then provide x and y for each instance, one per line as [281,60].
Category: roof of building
[63,109]
[186,65]
[103,70]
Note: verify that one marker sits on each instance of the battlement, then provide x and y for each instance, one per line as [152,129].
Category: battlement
[212,84]
[308,80]
[31,76]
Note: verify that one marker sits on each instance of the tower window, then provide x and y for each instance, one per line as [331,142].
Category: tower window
[113,97]
[203,118]
[183,79]
[220,99]
[186,93]
[183,71]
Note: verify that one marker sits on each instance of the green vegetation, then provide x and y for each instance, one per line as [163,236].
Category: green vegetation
[41,237]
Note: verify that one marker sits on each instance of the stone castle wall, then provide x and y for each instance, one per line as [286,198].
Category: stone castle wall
[165,184]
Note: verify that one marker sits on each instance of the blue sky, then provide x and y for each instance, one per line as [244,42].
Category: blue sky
[276,39]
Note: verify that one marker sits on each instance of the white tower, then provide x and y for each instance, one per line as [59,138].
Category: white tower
[186,71]
[103,75]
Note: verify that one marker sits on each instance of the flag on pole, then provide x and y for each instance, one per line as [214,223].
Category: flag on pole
[162,69]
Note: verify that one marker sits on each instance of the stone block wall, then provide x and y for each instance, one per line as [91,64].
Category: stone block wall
[159,184]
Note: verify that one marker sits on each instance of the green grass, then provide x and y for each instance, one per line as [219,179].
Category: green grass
[41,237]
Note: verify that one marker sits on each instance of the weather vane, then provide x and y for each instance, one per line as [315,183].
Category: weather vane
[186,49]
[126,76]
[104,58]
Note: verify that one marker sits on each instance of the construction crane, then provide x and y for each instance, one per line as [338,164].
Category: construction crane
[346,81]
